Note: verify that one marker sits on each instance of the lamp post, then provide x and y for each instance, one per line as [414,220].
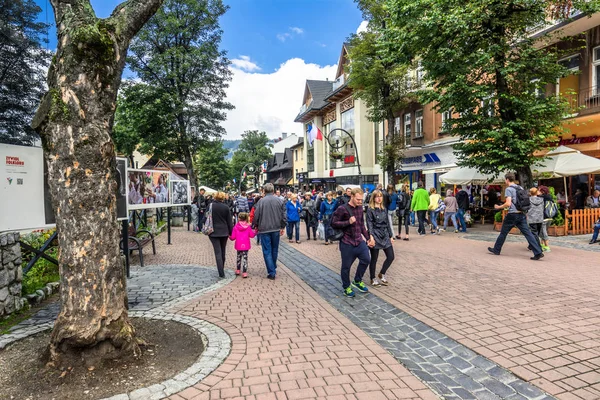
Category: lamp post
[251,168]
[338,146]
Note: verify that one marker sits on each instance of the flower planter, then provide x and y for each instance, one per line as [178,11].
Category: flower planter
[554,230]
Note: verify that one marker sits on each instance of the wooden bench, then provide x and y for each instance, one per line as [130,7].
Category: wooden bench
[137,240]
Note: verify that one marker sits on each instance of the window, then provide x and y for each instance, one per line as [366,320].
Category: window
[446,117]
[487,106]
[407,129]
[378,141]
[310,162]
[571,62]
[296,155]
[420,73]
[596,71]
[419,123]
[328,128]
[348,121]
[397,125]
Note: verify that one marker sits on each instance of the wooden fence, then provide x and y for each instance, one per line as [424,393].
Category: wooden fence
[581,222]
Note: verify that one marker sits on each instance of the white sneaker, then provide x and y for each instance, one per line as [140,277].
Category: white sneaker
[382,280]
[375,282]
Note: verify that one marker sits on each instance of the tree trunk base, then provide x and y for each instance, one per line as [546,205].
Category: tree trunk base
[113,341]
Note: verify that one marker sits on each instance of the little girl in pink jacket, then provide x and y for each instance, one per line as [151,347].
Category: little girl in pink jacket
[242,233]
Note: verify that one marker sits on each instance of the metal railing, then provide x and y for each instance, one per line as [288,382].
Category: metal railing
[303,109]
[590,98]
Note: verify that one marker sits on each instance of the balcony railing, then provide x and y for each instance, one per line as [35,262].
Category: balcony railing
[589,99]
[303,109]
[339,82]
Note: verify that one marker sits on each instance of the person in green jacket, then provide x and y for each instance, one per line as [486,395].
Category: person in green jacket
[420,204]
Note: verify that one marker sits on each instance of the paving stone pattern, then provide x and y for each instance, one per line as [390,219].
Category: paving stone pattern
[449,368]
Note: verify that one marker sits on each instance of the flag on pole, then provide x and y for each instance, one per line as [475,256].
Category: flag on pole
[313,133]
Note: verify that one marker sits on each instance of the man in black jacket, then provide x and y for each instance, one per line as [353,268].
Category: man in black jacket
[462,198]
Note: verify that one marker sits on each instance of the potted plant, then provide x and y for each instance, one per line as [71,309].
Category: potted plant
[557,226]
[498,221]
[336,155]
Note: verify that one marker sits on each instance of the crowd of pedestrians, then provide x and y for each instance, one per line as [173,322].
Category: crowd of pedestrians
[362,223]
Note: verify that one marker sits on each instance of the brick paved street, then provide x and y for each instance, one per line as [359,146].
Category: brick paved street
[538,319]
[455,323]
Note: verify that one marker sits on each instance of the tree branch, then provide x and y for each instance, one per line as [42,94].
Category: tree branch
[81,9]
[129,16]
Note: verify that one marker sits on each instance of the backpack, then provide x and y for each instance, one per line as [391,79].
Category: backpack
[441,206]
[401,204]
[522,202]
[550,209]
[338,234]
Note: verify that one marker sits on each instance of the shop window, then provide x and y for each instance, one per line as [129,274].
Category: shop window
[446,117]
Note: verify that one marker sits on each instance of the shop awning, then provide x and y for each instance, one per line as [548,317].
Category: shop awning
[439,169]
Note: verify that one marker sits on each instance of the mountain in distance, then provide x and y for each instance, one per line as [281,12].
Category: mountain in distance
[231,146]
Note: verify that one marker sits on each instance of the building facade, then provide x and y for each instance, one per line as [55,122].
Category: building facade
[338,160]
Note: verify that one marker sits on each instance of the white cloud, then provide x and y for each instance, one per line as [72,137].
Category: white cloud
[362,27]
[270,101]
[287,35]
[283,36]
[244,63]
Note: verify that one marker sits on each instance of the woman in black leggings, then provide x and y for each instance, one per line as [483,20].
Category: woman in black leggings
[403,212]
[378,226]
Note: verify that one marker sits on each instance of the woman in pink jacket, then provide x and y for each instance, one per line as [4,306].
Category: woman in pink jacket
[242,233]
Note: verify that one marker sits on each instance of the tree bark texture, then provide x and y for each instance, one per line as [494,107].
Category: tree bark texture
[74,121]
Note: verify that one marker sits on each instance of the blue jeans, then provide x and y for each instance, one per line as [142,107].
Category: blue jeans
[447,216]
[412,218]
[349,255]
[433,219]
[290,230]
[269,242]
[520,221]
[460,214]
[596,232]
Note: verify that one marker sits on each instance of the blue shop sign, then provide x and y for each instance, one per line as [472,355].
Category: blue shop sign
[425,159]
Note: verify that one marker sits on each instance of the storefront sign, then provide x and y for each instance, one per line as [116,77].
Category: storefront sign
[300,177]
[425,159]
[569,142]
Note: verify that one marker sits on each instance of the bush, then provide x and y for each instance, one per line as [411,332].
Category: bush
[43,271]
[498,216]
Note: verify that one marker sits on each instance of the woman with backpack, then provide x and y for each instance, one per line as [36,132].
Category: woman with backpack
[403,212]
[380,229]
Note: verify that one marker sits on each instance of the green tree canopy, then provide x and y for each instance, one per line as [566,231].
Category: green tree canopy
[382,83]
[253,149]
[486,68]
[23,64]
[177,56]
[212,165]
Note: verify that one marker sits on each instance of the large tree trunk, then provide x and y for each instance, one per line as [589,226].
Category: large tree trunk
[189,165]
[74,121]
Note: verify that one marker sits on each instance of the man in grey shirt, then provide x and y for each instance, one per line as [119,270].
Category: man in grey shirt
[514,218]
[270,217]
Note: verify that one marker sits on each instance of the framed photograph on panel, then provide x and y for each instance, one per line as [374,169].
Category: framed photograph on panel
[147,189]
[181,193]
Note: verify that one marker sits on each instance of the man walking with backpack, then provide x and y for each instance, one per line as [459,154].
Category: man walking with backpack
[517,202]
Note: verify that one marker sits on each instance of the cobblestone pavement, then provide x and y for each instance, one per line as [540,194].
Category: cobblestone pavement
[451,369]
[539,319]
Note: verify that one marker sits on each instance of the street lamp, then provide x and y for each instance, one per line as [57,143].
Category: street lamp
[251,168]
[336,145]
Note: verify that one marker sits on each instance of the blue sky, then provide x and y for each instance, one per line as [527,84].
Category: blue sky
[275,46]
